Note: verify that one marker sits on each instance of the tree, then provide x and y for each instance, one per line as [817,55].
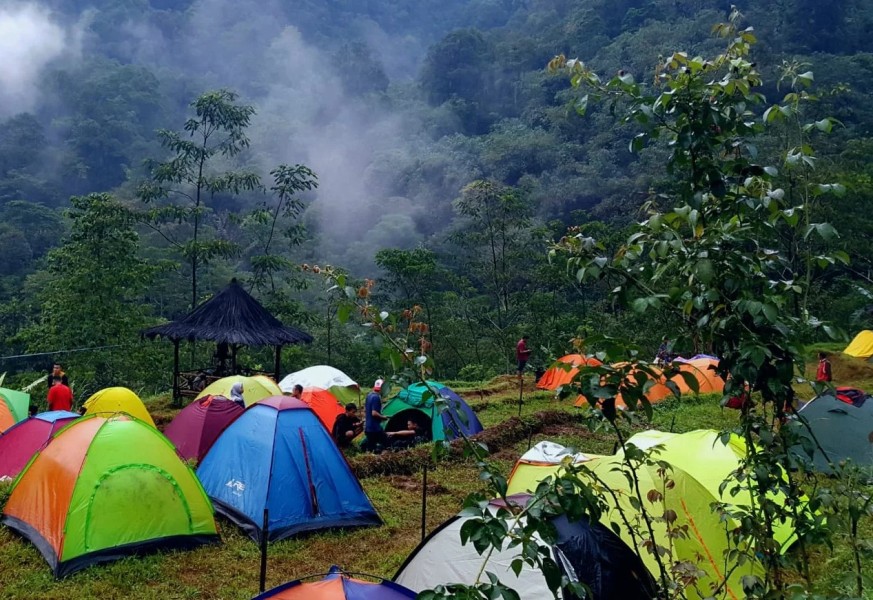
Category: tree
[182,188]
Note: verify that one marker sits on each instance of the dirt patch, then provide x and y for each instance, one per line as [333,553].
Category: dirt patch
[412,483]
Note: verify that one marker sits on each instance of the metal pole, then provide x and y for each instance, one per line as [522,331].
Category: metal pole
[520,392]
[424,501]
[278,363]
[265,534]
[176,393]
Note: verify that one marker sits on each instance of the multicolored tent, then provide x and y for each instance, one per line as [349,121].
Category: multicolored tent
[861,346]
[324,404]
[254,388]
[19,402]
[7,416]
[326,378]
[279,457]
[105,488]
[844,431]
[706,543]
[564,370]
[338,586]
[591,554]
[117,400]
[199,424]
[410,405]
[19,443]
[705,457]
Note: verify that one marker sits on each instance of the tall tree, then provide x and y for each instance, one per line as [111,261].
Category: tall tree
[183,188]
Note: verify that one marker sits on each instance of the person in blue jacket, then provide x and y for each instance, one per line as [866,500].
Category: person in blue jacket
[377,439]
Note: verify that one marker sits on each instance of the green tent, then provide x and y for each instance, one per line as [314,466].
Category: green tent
[410,405]
[104,488]
[705,457]
[19,402]
[844,431]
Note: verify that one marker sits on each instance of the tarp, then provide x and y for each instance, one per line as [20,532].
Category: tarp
[199,424]
[705,457]
[18,401]
[278,456]
[587,553]
[861,346]
[559,374]
[20,442]
[706,543]
[254,388]
[325,405]
[338,586]
[844,432]
[410,404]
[113,400]
[326,378]
[105,488]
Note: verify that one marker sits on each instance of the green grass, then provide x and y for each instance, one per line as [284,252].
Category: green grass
[230,570]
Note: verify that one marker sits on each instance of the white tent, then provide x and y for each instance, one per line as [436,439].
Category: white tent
[323,377]
[547,452]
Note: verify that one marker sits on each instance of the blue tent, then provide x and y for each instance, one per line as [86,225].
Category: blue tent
[410,405]
[279,457]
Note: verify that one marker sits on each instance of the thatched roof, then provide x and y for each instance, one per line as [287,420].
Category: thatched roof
[232,316]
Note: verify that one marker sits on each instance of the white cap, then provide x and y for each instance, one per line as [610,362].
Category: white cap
[378,385]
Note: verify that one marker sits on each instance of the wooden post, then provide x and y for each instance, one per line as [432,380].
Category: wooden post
[265,535]
[278,368]
[176,393]
[520,392]
[233,349]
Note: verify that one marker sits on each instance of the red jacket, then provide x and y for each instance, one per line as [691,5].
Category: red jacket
[823,373]
[60,397]
[521,351]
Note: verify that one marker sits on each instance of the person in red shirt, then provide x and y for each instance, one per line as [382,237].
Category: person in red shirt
[522,353]
[60,396]
[823,373]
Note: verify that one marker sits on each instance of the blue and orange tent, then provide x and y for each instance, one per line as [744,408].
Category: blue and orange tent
[338,586]
[279,457]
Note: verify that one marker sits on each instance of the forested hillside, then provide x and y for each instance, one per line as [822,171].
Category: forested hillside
[445,159]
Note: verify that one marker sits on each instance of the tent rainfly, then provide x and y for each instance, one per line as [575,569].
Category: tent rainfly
[232,318]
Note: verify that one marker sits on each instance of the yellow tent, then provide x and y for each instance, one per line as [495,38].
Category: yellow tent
[254,388]
[861,346]
[706,542]
[117,399]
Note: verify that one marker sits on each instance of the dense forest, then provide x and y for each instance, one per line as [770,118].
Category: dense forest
[150,151]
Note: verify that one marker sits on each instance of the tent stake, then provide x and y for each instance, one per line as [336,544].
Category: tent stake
[673,424]
[423,501]
[265,534]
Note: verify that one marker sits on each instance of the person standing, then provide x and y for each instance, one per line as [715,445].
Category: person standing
[347,426]
[57,371]
[522,353]
[373,418]
[60,396]
[823,374]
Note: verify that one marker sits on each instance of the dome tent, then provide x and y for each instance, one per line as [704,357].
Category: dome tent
[337,585]
[586,553]
[113,400]
[326,378]
[254,388]
[844,431]
[19,443]
[7,416]
[278,456]
[106,488]
[861,346]
[688,498]
[19,402]
[199,424]
[410,404]
[324,404]
[564,370]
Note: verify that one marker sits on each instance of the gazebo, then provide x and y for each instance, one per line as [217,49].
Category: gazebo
[232,319]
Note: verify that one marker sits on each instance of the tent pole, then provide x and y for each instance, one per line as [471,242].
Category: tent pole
[278,362]
[265,534]
[423,501]
[176,392]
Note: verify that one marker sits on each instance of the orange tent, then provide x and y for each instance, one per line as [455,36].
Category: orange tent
[325,405]
[7,419]
[559,375]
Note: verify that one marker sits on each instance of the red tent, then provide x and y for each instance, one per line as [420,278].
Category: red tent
[199,424]
[22,441]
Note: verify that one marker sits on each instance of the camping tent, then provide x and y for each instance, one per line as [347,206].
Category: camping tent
[19,402]
[588,553]
[20,442]
[279,457]
[705,457]
[861,346]
[691,501]
[254,388]
[844,431]
[105,488]
[541,461]
[7,417]
[410,405]
[337,585]
[199,424]
[116,400]
[326,378]
[564,370]
[325,405]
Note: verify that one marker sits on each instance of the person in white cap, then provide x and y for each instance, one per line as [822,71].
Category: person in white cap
[373,417]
